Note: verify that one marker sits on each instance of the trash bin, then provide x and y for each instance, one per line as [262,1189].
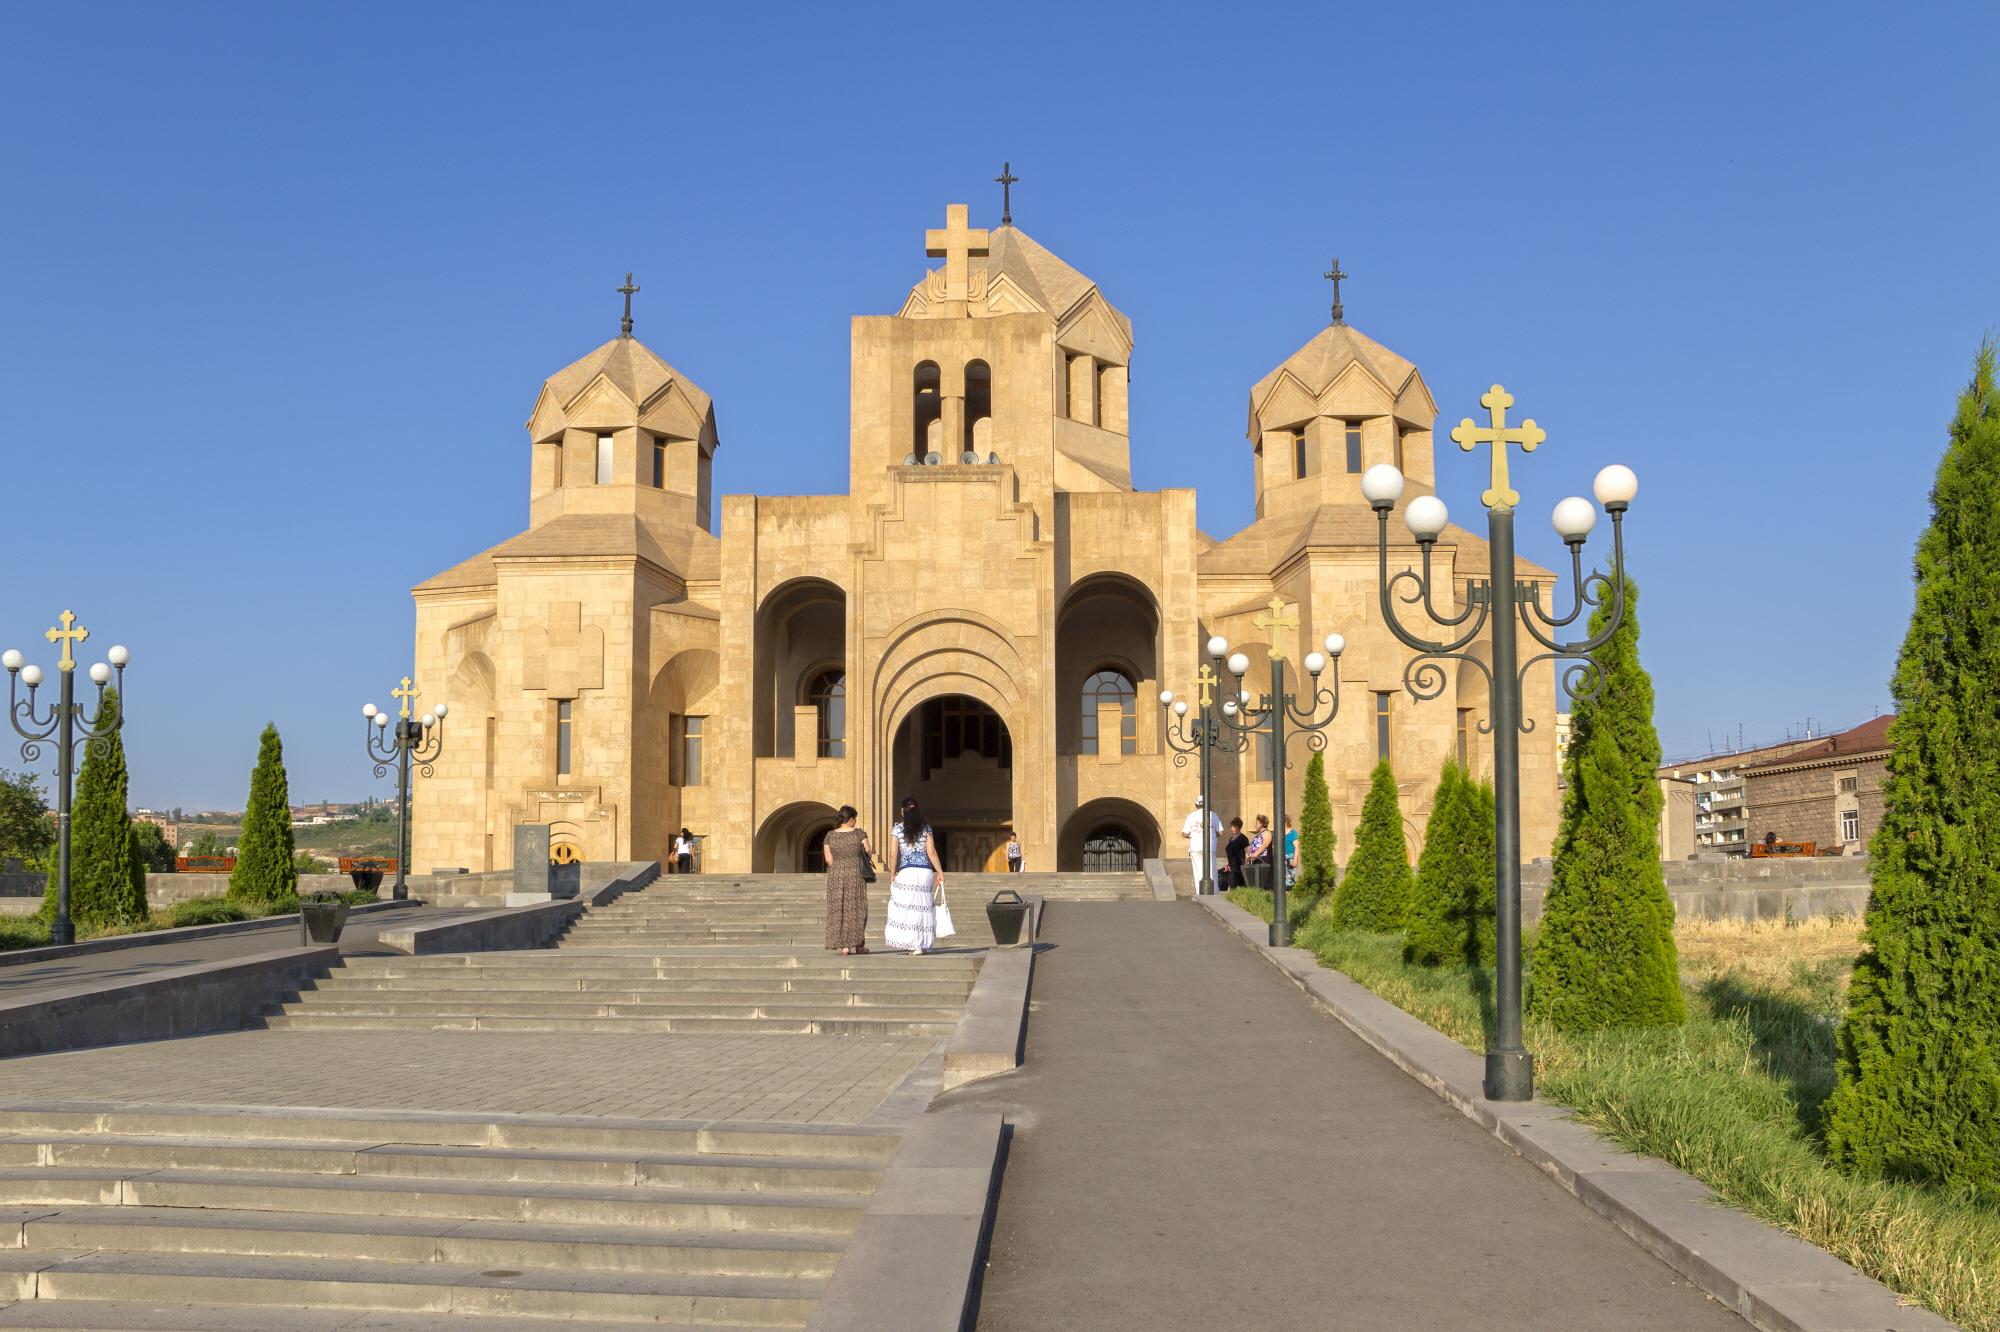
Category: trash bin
[1007,913]
[367,881]
[321,920]
[1258,874]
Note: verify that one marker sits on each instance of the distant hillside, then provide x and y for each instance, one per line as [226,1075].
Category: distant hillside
[373,834]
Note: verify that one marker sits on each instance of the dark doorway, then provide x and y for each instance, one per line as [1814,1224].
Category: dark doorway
[955,756]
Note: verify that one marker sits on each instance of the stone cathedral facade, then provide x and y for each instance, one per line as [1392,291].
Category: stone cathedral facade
[985,619]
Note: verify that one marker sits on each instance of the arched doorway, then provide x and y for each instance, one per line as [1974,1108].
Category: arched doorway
[790,840]
[954,754]
[1108,836]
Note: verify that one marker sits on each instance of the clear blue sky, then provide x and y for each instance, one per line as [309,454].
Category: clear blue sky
[280,283]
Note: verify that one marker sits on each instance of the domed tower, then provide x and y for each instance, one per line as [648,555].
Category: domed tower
[1333,409]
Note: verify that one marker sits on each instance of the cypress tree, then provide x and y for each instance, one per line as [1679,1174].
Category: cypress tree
[264,871]
[1315,834]
[1918,1087]
[1375,893]
[107,879]
[1606,953]
[1451,908]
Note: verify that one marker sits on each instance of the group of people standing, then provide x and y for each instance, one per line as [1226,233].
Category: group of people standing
[1245,857]
[914,893]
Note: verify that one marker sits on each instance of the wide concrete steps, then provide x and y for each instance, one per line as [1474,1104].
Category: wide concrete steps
[974,888]
[108,1219]
[119,1316]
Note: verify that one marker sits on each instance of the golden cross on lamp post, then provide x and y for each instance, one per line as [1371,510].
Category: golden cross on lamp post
[71,633]
[1205,681]
[1280,618]
[1469,436]
[406,693]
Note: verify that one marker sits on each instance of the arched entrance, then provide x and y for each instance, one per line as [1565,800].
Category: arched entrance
[1106,836]
[954,754]
[790,840]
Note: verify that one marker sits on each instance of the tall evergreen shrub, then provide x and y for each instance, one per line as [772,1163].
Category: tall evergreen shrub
[107,879]
[1375,892]
[1918,1090]
[1451,909]
[1605,956]
[1315,834]
[264,871]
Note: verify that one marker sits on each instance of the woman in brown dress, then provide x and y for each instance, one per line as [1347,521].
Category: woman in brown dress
[846,890]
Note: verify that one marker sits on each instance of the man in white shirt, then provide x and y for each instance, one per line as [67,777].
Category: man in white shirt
[1201,850]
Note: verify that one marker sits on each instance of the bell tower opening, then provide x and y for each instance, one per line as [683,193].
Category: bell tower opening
[955,756]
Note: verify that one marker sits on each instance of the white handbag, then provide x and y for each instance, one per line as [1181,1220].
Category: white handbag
[945,929]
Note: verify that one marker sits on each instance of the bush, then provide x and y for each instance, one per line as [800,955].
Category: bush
[207,911]
[264,854]
[1315,835]
[107,877]
[1607,931]
[1451,910]
[1918,1094]
[1375,894]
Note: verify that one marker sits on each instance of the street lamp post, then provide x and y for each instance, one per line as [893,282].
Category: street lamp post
[66,724]
[1198,737]
[1273,713]
[416,740]
[1510,1068]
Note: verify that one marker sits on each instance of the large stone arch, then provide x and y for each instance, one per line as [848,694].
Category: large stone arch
[1107,621]
[1109,812]
[935,655]
[801,629]
[781,841]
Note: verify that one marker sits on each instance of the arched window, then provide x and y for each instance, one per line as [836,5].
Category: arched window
[929,408]
[978,408]
[1104,688]
[828,693]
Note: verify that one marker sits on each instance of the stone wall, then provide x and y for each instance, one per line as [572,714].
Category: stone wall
[1805,804]
[1741,889]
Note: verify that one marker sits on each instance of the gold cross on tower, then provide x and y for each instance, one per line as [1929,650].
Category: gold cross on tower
[1470,436]
[956,243]
[1205,680]
[1281,617]
[406,693]
[70,634]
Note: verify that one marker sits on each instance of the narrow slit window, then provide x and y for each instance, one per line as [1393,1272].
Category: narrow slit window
[1381,726]
[1354,449]
[1299,454]
[659,464]
[563,726]
[1464,737]
[604,460]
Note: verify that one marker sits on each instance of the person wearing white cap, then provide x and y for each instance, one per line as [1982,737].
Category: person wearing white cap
[1201,849]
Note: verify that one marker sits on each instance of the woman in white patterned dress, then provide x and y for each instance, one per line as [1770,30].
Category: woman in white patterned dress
[912,921]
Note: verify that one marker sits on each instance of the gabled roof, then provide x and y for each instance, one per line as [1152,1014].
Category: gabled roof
[583,535]
[1031,269]
[1315,366]
[631,367]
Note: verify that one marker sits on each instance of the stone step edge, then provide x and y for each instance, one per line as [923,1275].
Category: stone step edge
[128,1316]
[1773,1280]
[781,1139]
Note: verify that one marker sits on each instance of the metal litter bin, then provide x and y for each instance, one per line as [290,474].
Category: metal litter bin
[1007,913]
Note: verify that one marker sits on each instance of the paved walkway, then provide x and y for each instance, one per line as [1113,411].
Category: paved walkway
[1197,1147]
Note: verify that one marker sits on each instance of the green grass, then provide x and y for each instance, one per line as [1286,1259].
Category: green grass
[1733,1097]
[33,932]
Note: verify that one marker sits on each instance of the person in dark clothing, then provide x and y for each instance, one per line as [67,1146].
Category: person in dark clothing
[1233,851]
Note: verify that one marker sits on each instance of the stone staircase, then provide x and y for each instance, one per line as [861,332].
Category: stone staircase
[137,1219]
[654,989]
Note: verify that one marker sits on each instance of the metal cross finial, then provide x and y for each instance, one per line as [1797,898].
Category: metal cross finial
[624,325]
[1279,618]
[1205,681]
[406,693]
[1334,275]
[1007,180]
[1469,436]
[71,633]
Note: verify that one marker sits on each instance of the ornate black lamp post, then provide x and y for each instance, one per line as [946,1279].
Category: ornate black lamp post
[1510,1068]
[416,740]
[1272,713]
[66,724]
[1198,737]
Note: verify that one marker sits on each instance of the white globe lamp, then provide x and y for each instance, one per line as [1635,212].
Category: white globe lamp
[1382,485]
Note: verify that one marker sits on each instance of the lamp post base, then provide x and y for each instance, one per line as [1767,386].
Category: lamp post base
[1281,933]
[1510,1075]
[61,933]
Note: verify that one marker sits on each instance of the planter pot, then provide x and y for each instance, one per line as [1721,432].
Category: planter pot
[1007,913]
[367,881]
[321,922]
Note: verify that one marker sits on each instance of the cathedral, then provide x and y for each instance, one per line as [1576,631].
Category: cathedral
[985,620]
